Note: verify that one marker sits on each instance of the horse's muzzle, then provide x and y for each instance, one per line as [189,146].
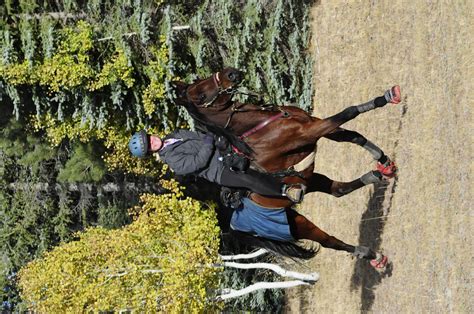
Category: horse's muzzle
[235,76]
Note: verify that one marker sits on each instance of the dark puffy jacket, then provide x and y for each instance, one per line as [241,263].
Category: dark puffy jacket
[193,155]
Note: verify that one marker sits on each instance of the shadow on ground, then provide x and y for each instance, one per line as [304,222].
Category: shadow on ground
[365,277]
[371,227]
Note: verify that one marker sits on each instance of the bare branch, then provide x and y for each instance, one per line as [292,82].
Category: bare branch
[54,15]
[181,27]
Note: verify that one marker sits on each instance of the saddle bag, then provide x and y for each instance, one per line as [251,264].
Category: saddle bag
[231,197]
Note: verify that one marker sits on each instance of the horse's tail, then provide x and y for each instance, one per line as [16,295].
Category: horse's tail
[214,128]
[288,249]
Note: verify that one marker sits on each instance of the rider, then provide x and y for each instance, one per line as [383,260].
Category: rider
[188,152]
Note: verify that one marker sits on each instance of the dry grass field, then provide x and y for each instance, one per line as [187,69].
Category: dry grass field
[423,220]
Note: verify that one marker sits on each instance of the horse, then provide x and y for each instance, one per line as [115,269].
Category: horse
[286,145]
[278,139]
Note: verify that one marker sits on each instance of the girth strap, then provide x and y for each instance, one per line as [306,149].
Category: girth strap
[305,163]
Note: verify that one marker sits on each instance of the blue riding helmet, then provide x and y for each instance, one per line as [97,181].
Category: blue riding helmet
[138,144]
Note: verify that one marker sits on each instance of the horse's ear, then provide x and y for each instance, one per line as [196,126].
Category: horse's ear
[179,89]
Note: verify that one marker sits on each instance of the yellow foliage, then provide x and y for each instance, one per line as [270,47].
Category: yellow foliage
[157,72]
[117,69]
[161,262]
[69,67]
[17,73]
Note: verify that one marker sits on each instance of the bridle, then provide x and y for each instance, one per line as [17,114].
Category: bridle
[229,90]
[237,107]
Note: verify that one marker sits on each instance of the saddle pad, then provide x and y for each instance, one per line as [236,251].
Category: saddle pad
[270,223]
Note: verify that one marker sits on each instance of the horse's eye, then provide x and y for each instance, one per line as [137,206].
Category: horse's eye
[202,97]
[231,76]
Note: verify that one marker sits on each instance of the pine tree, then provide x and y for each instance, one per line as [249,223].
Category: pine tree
[85,165]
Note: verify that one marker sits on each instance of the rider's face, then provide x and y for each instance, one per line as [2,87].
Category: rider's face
[155,143]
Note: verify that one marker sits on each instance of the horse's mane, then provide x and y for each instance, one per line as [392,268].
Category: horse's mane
[204,123]
[288,249]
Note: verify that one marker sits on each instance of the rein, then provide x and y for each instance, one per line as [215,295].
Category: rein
[237,107]
[230,90]
[220,91]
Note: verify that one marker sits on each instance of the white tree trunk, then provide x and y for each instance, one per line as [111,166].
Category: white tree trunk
[231,293]
[243,256]
[75,187]
[180,27]
[311,278]
[54,15]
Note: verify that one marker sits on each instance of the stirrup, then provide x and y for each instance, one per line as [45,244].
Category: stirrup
[393,95]
[294,192]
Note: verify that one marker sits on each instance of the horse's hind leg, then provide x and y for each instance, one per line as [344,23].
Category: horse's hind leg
[320,183]
[302,228]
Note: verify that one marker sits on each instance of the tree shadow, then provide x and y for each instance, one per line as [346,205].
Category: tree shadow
[371,229]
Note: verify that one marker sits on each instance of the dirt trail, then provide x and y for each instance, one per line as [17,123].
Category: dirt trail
[423,220]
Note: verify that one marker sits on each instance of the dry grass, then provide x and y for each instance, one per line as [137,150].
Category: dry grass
[423,220]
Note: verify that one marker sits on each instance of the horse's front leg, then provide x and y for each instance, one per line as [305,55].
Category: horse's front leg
[385,166]
[302,228]
[320,183]
[324,127]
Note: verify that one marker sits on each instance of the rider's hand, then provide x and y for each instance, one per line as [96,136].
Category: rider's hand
[221,143]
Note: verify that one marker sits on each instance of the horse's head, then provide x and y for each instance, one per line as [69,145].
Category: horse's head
[214,92]
[213,95]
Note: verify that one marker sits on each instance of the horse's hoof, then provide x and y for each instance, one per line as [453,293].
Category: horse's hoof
[393,95]
[380,262]
[388,169]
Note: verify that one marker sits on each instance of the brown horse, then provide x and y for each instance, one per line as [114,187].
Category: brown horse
[278,138]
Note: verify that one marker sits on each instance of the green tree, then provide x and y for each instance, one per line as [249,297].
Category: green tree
[85,165]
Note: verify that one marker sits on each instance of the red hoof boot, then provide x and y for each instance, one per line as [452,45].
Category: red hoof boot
[388,169]
[393,95]
[380,262]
